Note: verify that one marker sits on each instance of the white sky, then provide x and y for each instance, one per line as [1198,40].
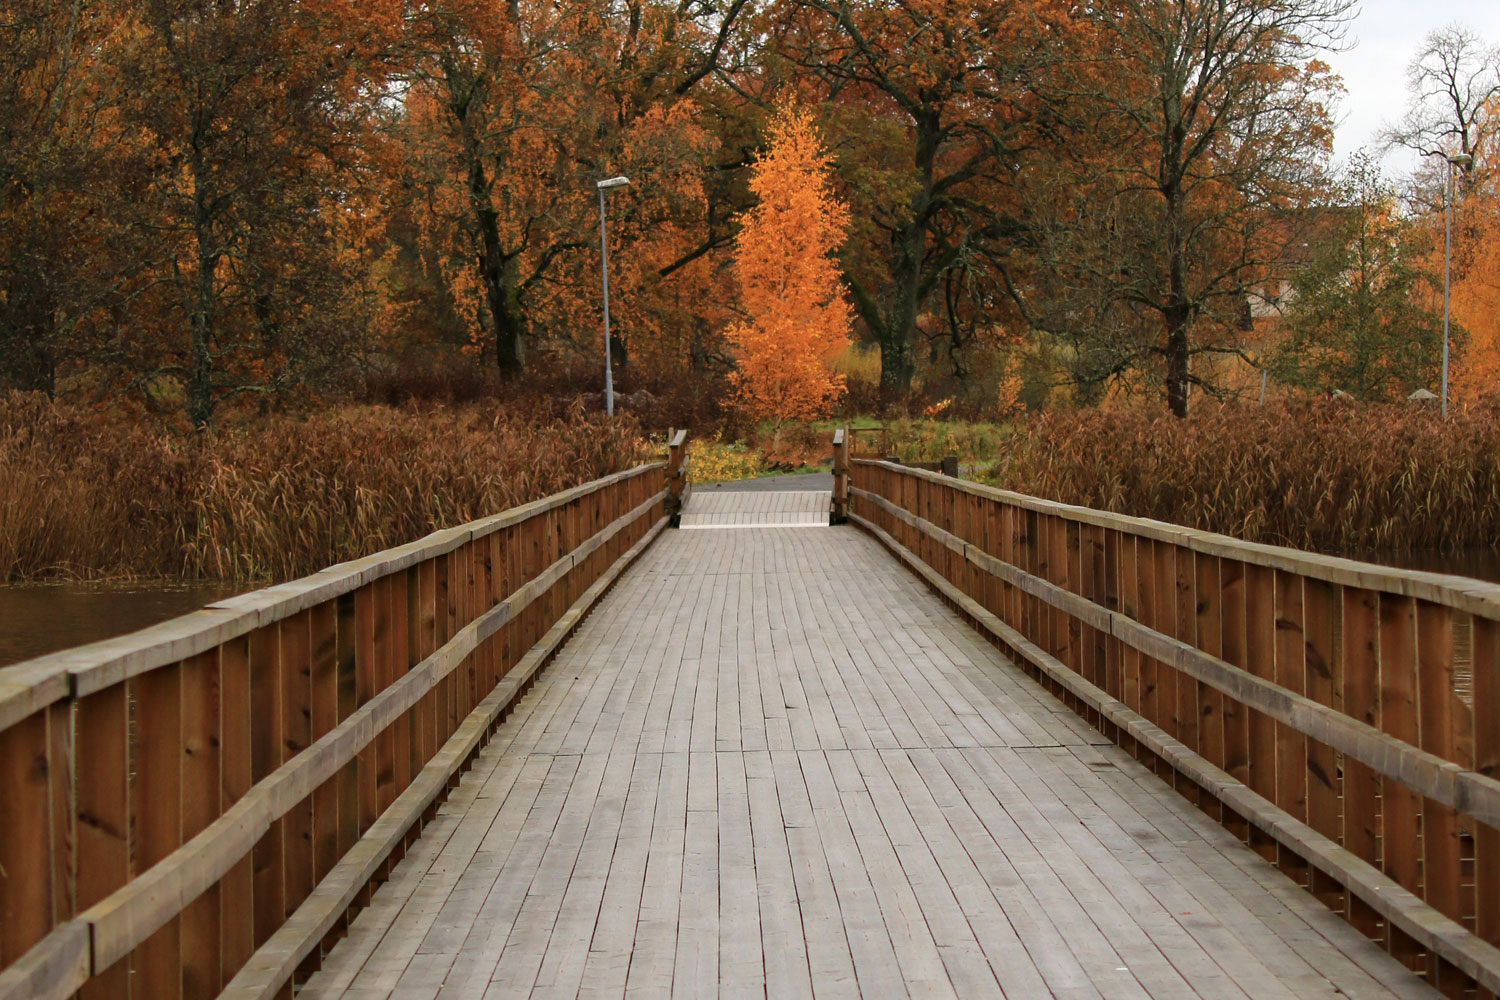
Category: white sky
[1382,40]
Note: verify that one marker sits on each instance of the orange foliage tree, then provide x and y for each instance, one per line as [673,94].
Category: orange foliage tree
[1476,284]
[796,318]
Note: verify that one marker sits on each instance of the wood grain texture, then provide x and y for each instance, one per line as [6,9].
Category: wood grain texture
[770,763]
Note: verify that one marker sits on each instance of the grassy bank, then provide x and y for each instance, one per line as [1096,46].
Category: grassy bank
[83,496]
[1325,476]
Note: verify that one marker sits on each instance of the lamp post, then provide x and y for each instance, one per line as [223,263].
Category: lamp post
[609,378]
[1456,160]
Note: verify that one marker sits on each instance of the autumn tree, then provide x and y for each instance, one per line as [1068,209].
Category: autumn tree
[796,320]
[1453,86]
[931,106]
[251,119]
[1361,316]
[514,110]
[1194,135]
[62,256]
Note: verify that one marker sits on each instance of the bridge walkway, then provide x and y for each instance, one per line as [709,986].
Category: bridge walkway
[771,763]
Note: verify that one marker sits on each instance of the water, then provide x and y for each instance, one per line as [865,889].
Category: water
[1479,564]
[42,619]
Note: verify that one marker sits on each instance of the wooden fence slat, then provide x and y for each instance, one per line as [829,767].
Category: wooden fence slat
[366,685]
[1260,660]
[156,816]
[63,836]
[1485,660]
[401,663]
[202,799]
[1291,745]
[102,755]
[1145,575]
[323,680]
[384,667]
[1105,594]
[1233,717]
[25,853]
[1210,640]
[347,783]
[1400,806]
[265,756]
[1360,669]
[1441,860]
[1186,620]
[1164,567]
[1325,796]
[299,872]
[1130,605]
[236,775]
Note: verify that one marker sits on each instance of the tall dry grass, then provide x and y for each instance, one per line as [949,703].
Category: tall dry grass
[83,496]
[1326,475]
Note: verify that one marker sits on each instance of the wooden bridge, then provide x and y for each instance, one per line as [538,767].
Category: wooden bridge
[959,742]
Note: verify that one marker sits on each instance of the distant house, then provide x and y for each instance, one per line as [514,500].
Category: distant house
[1308,234]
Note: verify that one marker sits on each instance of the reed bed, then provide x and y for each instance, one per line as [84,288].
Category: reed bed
[1328,476]
[85,497]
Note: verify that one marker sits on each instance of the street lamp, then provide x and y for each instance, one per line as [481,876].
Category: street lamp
[1456,160]
[609,378]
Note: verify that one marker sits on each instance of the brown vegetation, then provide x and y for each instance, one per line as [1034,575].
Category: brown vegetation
[1326,476]
[86,495]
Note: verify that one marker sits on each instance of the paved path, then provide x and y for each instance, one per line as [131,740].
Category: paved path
[770,763]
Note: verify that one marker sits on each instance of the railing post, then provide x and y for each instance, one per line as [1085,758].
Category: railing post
[840,512]
[677,475]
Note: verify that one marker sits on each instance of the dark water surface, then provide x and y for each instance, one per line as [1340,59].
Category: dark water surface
[1481,564]
[42,619]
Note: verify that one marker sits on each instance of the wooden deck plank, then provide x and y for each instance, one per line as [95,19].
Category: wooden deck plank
[770,763]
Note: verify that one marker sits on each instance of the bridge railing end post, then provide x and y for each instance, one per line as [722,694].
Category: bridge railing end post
[839,513]
[677,475]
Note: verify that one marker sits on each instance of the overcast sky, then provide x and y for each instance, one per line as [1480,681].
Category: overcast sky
[1382,40]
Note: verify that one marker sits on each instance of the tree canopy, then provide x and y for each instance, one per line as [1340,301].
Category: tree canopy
[1008,200]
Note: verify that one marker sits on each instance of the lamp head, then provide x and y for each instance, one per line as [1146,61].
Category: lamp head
[612,182]
[1461,159]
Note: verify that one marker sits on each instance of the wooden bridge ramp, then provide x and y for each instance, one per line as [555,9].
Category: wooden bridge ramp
[771,763]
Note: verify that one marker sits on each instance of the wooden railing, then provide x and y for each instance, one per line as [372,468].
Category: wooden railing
[1342,718]
[199,805]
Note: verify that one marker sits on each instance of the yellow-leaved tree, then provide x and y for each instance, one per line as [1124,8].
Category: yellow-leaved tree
[795,317]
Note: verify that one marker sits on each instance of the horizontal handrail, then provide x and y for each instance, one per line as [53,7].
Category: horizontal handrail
[30,686]
[1461,593]
[1443,781]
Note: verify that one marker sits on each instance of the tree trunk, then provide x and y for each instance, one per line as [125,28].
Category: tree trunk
[200,361]
[899,336]
[202,308]
[495,273]
[1177,318]
[510,345]
[896,368]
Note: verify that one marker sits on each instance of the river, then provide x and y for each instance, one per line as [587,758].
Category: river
[41,619]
